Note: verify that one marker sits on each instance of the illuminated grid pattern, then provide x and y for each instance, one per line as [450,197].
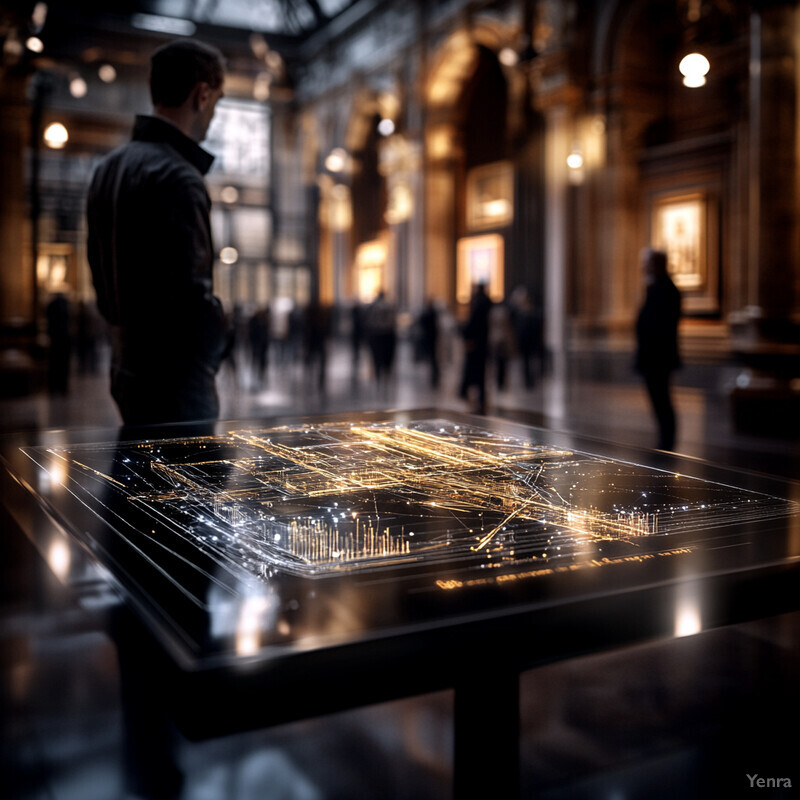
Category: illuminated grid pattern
[335,497]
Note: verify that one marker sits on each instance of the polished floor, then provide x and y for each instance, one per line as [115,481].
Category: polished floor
[688,718]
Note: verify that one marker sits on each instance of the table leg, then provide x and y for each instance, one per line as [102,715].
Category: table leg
[486,759]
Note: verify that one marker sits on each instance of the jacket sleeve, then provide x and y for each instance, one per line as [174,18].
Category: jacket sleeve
[193,256]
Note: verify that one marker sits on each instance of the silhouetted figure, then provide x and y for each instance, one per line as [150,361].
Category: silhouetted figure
[475,333]
[356,337]
[527,334]
[87,337]
[258,333]
[58,331]
[429,339]
[382,337]
[501,342]
[657,353]
[150,247]
[315,334]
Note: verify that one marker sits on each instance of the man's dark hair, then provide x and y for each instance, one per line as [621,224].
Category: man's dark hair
[177,67]
[658,262]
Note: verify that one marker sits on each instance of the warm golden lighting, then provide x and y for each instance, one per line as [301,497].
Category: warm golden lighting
[440,142]
[339,208]
[34,44]
[574,160]
[336,160]
[248,628]
[59,558]
[370,268]
[688,619]
[401,204]
[694,69]
[56,136]
[480,260]
[262,86]
[508,57]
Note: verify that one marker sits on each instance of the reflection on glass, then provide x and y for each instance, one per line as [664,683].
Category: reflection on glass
[59,558]
[688,615]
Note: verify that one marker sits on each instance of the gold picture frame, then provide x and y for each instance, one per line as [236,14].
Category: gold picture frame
[480,259]
[684,226]
[490,196]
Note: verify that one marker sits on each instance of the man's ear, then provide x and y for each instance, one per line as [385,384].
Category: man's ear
[200,96]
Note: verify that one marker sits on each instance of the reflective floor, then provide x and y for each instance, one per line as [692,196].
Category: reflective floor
[688,718]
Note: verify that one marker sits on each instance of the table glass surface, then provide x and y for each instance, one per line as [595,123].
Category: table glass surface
[256,540]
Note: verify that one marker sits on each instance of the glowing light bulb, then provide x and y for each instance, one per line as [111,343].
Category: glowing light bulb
[694,68]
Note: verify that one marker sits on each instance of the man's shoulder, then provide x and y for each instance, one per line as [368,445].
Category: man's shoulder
[154,163]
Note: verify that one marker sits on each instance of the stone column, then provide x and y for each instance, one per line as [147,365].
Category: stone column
[773,256]
[16,271]
[766,339]
[557,129]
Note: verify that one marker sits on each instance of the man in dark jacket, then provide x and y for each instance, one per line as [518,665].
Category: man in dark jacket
[657,352]
[475,333]
[150,247]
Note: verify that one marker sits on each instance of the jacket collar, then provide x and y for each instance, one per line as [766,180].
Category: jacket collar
[154,129]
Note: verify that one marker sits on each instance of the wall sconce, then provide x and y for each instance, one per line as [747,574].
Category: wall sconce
[56,136]
[694,69]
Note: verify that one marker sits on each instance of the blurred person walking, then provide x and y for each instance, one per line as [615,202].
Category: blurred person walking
[527,334]
[657,354]
[475,333]
[59,332]
[382,338]
[150,247]
[429,339]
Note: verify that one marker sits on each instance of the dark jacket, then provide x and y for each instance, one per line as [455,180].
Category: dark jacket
[151,254]
[657,328]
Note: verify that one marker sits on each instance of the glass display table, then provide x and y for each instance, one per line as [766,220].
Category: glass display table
[292,568]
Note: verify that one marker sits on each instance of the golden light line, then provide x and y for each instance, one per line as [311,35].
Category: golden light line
[96,472]
[428,445]
[489,536]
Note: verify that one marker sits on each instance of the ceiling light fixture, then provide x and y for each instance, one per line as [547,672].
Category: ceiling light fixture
[694,68]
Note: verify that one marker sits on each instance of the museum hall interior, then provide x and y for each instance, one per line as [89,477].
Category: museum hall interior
[399,399]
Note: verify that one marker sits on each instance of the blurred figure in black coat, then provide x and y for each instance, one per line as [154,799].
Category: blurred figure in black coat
[657,354]
[476,348]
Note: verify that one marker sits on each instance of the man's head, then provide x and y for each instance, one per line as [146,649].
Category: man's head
[186,81]
[654,263]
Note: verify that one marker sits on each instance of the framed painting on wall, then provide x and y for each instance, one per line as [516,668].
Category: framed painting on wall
[684,226]
[480,260]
